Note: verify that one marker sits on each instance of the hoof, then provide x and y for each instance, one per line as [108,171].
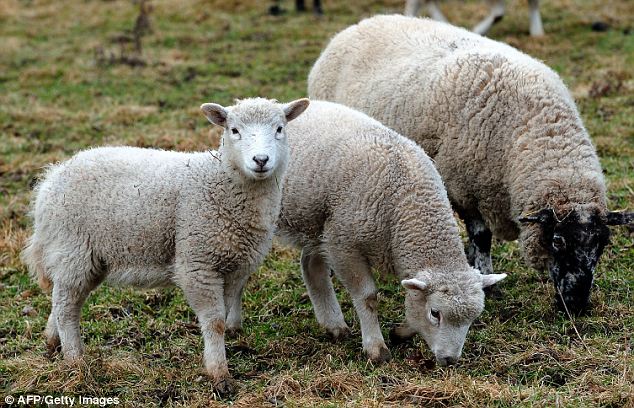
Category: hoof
[225,387]
[53,346]
[73,357]
[396,338]
[52,349]
[382,356]
[233,331]
[338,333]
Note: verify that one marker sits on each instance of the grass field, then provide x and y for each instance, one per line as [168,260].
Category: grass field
[64,87]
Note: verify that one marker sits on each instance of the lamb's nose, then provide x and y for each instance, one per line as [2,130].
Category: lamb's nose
[261,159]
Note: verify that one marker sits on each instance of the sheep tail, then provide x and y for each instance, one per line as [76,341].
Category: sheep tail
[33,257]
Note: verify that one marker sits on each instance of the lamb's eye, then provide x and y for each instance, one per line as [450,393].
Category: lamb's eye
[435,314]
[279,129]
[234,131]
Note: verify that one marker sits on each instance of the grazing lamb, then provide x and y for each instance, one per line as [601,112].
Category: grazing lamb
[358,196]
[150,218]
[502,129]
[412,7]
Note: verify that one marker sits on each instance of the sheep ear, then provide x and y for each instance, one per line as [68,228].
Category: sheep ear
[544,216]
[492,279]
[295,108]
[415,284]
[619,218]
[215,113]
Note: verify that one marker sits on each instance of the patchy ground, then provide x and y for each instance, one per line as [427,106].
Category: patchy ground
[71,76]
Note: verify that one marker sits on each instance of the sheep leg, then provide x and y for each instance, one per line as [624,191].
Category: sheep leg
[435,12]
[495,15]
[205,294]
[300,5]
[317,7]
[479,249]
[233,302]
[63,325]
[322,295]
[354,272]
[52,335]
[412,7]
[536,27]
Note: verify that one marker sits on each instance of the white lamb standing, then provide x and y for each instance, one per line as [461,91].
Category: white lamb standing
[359,196]
[412,7]
[502,129]
[151,218]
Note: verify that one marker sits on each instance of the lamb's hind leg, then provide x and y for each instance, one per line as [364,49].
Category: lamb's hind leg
[52,335]
[435,12]
[412,7]
[234,286]
[354,272]
[322,294]
[63,324]
[479,249]
[74,276]
[495,15]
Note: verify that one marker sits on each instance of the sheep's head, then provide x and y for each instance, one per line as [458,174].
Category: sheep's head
[574,243]
[442,309]
[254,139]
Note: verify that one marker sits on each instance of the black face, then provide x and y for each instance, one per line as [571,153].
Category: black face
[575,246]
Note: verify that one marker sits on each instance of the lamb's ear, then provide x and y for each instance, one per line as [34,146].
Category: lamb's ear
[544,216]
[215,113]
[295,108]
[415,284]
[492,279]
[620,218]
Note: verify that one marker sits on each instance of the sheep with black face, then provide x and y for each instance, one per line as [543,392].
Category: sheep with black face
[503,131]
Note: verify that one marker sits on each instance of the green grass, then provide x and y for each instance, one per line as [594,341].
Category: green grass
[145,348]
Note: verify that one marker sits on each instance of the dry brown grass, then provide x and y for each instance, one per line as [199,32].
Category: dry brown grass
[145,347]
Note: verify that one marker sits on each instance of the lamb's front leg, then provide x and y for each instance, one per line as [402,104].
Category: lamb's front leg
[354,273]
[204,292]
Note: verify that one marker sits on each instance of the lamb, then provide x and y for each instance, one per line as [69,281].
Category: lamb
[151,218]
[412,7]
[360,196]
[502,129]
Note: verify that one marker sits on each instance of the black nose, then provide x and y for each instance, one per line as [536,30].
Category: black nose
[261,159]
[445,361]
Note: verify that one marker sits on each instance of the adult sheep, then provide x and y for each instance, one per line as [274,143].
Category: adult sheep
[412,7]
[501,127]
[360,196]
[150,218]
